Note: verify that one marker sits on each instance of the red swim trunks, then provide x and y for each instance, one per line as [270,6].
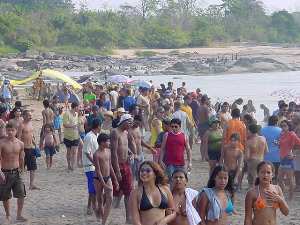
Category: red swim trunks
[126,183]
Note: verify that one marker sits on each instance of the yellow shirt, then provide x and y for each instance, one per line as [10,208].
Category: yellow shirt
[188,110]
[154,133]
[70,133]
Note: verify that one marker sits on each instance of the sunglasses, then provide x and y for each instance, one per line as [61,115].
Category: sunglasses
[145,170]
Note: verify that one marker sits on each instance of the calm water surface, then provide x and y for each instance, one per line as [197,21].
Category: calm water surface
[257,87]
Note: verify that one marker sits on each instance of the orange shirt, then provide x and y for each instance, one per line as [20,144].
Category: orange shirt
[236,126]
[287,143]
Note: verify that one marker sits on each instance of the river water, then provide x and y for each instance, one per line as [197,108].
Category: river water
[256,86]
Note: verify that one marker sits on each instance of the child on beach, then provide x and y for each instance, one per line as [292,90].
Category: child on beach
[57,120]
[264,199]
[232,158]
[49,144]
[81,129]
[104,176]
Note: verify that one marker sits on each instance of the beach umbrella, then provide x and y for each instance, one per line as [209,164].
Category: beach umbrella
[141,84]
[119,79]
[51,74]
[287,94]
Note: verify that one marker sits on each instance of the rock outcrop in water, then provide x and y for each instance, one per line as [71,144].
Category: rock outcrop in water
[172,63]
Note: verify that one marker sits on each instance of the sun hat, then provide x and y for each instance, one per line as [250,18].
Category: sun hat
[109,113]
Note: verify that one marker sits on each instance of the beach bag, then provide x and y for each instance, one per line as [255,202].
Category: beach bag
[37,152]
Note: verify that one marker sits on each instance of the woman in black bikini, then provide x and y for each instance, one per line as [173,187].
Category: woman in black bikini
[151,203]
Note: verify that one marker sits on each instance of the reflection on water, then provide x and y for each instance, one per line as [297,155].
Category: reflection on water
[257,87]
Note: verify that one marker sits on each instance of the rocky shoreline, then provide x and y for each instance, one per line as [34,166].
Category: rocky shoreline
[209,61]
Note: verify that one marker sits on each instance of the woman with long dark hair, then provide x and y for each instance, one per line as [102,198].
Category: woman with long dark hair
[151,203]
[215,203]
[264,199]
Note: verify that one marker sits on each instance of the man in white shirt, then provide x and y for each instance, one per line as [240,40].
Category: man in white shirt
[179,114]
[90,146]
[114,95]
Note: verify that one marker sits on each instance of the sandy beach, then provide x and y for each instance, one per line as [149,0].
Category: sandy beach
[63,195]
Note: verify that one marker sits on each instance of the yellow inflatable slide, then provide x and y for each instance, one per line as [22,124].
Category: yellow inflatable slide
[51,74]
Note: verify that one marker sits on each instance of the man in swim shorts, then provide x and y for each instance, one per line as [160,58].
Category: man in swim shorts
[120,160]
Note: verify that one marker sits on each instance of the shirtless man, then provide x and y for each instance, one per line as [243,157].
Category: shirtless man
[104,175]
[47,113]
[144,104]
[232,158]
[17,120]
[2,126]
[25,134]
[203,121]
[11,168]
[135,133]
[256,147]
[120,162]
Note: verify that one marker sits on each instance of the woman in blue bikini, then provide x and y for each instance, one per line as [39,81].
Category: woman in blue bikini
[215,203]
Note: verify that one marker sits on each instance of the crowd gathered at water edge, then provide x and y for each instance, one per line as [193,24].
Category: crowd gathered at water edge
[134,140]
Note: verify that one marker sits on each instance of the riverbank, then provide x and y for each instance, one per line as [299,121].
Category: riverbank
[141,62]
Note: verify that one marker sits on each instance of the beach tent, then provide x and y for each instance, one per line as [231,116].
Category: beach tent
[51,74]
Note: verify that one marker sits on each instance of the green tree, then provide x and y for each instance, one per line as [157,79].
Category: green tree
[284,23]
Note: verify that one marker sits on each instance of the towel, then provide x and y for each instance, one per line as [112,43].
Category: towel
[215,208]
[192,214]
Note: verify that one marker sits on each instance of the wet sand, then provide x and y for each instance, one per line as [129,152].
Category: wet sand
[63,195]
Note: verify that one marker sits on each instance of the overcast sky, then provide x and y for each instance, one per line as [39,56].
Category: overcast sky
[271,5]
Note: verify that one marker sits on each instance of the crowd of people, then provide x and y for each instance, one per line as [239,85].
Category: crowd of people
[112,131]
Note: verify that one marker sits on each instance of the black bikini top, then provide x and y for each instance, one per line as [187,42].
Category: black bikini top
[146,204]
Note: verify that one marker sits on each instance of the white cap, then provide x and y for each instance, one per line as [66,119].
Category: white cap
[124,118]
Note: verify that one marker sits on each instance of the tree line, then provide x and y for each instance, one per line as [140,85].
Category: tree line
[26,24]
